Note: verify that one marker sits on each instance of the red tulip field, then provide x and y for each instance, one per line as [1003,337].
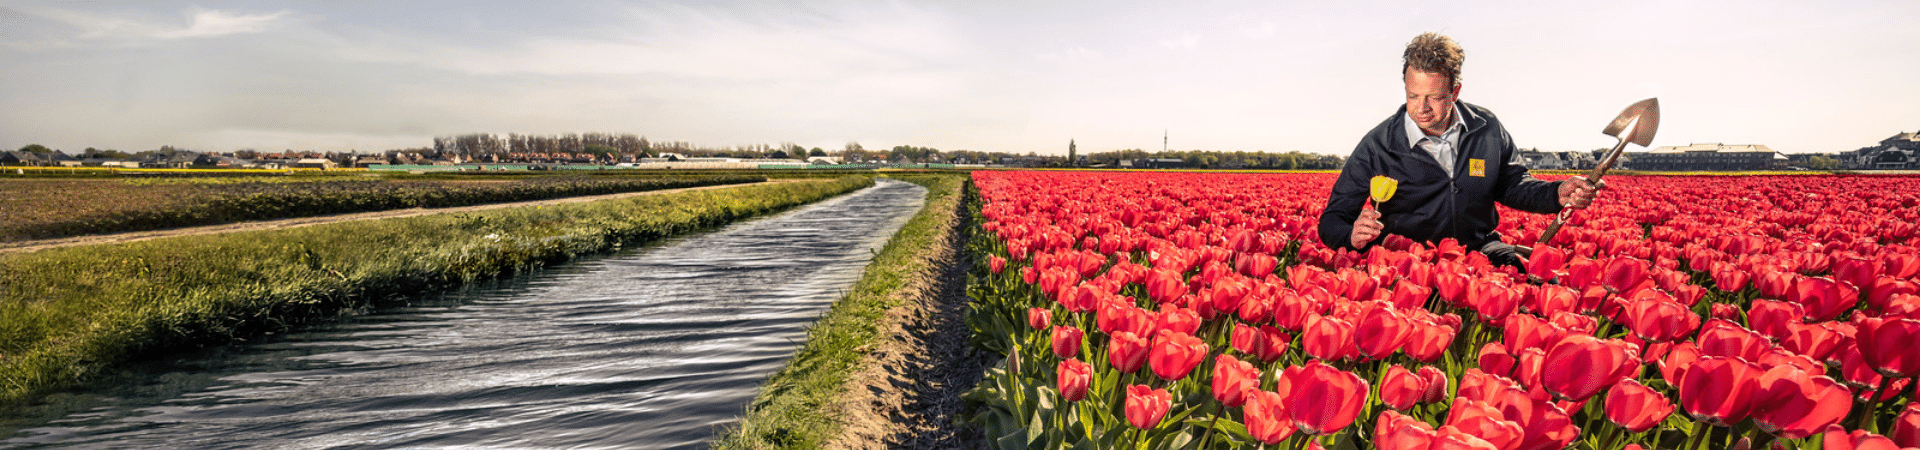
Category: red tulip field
[1201,311]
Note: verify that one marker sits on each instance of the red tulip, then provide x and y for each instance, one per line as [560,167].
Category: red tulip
[1175,318]
[1396,431]
[1661,321]
[1526,331]
[1857,271]
[1256,264]
[1817,341]
[1719,390]
[1495,359]
[1836,438]
[1635,407]
[1232,378]
[1771,318]
[1793,404]
[1436,384]
[1327,338]
[1581,366]
[1888,345]
[1452,286]
[1066,341]
[1164,286]
[1729,278]
[1400,388]
[1824,298]
[1174,354]
[1885,289]
[1322,399]
[1147,406]
[1623,274]
[996,264]
[1075,377]
[1453,438]
[1906,427]
[1545,261]
[1409,295]
[1379,331]
[1492,302]
[1266,343]
[1549,300]
[1484,421]
[1039,318]
[1428,342]
[1724,338]
[1126,351]
[1267,418]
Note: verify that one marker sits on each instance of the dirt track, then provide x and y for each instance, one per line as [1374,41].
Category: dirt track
[34,245]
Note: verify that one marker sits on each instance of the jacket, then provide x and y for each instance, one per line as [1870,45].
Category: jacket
[1429,205]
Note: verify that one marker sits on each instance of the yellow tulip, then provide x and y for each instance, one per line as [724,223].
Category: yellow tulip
[1383,187]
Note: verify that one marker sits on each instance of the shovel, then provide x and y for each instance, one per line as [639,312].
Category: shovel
[1637,125]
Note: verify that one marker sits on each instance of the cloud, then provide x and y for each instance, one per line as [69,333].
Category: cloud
[128,27]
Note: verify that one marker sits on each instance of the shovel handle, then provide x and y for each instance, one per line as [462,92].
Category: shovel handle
[1553,228]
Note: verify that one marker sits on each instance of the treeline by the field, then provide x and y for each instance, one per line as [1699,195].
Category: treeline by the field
[53,208]
[68,314]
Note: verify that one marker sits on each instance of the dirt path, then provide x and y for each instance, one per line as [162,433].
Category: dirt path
[35,245]
[906,393]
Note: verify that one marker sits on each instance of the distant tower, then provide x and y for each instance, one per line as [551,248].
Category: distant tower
[1163,140]
[1072,153]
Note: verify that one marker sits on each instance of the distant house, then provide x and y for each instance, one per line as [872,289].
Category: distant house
[1159,163]
[22,158]
[313,163]
[1900,152]
[1707,157]
[369,160]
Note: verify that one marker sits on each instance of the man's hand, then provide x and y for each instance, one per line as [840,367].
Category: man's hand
[1577,193]
[1367,228]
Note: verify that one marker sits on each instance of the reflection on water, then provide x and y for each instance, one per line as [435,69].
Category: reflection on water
[653,347]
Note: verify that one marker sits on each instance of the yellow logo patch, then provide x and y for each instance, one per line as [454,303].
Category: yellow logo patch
[1477,167]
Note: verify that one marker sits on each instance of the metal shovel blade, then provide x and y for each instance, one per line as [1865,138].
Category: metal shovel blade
[1638,122]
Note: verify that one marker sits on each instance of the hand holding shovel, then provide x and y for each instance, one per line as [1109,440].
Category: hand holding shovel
[1636,124]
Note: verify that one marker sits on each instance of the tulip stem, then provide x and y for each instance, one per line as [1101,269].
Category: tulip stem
[1207,439]
[1866,421]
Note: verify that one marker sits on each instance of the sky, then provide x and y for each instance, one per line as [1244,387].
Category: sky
[986,75]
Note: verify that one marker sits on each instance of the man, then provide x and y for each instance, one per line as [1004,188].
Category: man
[1452,160]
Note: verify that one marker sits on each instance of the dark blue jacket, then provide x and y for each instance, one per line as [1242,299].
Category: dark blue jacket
[1429,206]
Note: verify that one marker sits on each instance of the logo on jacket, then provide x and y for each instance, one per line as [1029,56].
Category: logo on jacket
[1477,167]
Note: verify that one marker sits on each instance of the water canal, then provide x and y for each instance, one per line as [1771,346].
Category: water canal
[652,347]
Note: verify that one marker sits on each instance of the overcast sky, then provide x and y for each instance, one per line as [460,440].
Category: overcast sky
[1014,76]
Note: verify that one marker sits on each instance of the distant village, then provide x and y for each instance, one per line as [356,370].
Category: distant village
[487,152]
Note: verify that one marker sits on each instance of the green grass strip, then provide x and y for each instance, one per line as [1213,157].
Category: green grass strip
[794,407]
[67,315]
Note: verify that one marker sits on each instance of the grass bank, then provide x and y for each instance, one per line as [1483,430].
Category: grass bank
[67,315]
[794,406]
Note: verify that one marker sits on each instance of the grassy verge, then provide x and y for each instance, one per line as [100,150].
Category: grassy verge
[793,408]
[68,314]
[61,208]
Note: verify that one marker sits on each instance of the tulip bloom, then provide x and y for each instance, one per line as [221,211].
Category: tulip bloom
[1401,388]
[1396,431]
[1174,354]
[1771,317]
[1661,321]
[1485,421]
[1581,366]
[1719,390]
[1147,406]
[1428,342]
[1126,351]
[1327,338]
[1906,427]
[1836,438]
[1793,404]
[1267,418]
[1495,359]
[1075,377]
[1725,338]
[1322,399]
[1887,345]
[996,264]
[1232,378]
[1824,298]
[1636,407]
[1039,318]
[1436,384]
[1165,286]
[1066,341]
[1544,261]
[1379,331]
[1624,274]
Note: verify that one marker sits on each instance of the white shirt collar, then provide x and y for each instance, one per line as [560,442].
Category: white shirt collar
[1414,134]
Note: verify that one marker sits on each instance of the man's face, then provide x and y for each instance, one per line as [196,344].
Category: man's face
[1430,100]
